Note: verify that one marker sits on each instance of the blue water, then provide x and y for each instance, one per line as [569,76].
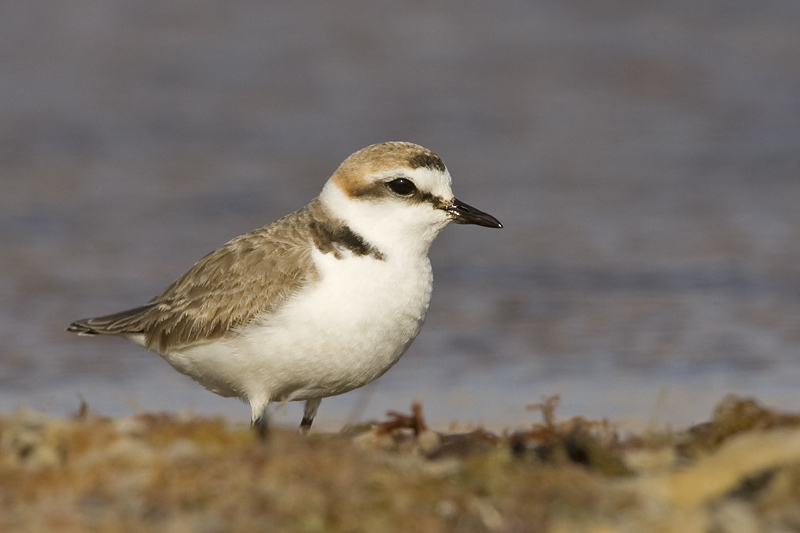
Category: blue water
[644,159]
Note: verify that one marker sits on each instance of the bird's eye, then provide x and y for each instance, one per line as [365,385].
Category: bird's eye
[402,186]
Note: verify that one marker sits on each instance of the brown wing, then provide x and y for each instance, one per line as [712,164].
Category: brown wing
[251,274]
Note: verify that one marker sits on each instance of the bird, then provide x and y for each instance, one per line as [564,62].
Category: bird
[317,303]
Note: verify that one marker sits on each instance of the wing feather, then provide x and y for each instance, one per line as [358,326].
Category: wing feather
[251,274]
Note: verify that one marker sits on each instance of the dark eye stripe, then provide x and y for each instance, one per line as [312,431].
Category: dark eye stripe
[384,189]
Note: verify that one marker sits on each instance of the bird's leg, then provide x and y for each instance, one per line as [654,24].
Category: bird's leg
[260,425]
[309,412]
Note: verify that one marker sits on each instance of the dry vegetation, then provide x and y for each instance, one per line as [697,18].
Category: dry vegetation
[739,472]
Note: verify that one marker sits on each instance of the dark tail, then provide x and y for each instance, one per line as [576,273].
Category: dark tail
[123,322]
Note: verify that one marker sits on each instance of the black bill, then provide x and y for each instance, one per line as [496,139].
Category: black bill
[465,214]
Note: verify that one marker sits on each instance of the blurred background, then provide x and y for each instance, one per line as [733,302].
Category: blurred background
[643,156]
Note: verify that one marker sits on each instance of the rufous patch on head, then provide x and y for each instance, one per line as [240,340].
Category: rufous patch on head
[352,175]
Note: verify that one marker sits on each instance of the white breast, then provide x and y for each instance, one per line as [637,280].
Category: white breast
[345,331]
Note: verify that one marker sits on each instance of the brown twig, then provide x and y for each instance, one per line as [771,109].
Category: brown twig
[414,421]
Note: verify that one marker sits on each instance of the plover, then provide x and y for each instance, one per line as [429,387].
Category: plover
[316,304]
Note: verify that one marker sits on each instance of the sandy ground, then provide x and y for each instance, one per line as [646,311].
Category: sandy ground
[739,472]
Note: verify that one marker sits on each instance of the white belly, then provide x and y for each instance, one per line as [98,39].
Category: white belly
[340,334]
